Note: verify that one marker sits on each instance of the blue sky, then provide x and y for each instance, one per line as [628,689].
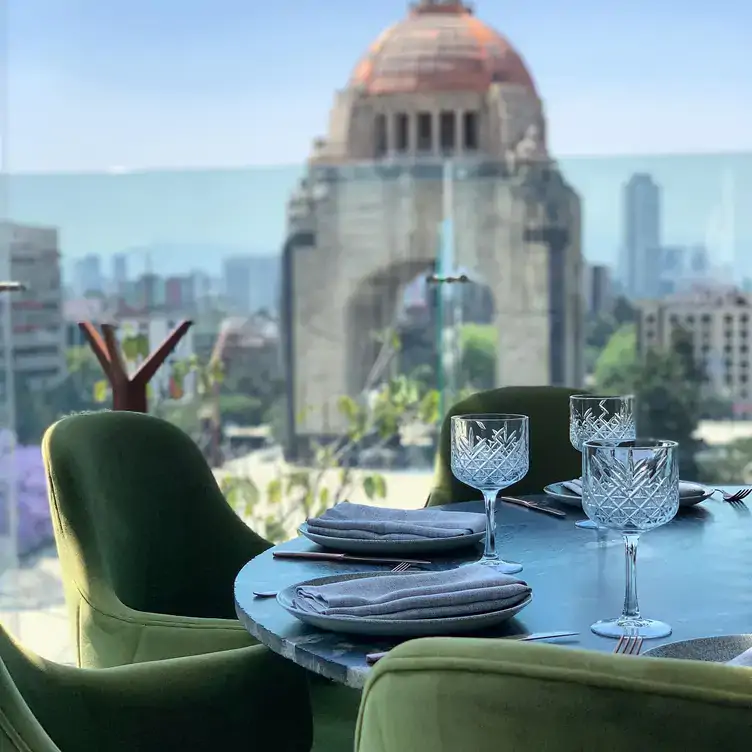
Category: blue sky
[97,84]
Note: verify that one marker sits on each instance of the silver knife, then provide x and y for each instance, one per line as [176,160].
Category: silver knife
[532,505]
[372,658]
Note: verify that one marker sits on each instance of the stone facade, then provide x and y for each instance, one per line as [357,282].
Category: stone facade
[367,219]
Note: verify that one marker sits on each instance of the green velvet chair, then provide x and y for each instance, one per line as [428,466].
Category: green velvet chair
[450,694]
[208,703]
[552,456]
[150,550]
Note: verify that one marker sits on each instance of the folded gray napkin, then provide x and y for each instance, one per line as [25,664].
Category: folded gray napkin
[745,659]
[685,488]
[348,520]
[471,589]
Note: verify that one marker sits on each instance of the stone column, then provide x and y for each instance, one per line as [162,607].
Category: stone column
[436,132]
[412,133]
[459,134]
[391,129]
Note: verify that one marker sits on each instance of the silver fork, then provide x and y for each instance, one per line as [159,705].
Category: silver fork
[403,566]
[629,645]
[736,497]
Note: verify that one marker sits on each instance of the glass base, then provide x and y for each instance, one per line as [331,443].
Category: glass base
[500,565]
[646,628]
[586,525]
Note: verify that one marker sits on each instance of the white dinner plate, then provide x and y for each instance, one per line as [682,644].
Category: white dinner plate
[398,548]
[714,649]
[687,498]
[392,627]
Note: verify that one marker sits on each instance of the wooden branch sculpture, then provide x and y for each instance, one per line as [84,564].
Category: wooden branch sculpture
[129,392]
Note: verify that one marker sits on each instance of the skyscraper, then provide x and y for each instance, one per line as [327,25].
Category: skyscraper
[88,275]
[640,253]
[119,272]
[237,283]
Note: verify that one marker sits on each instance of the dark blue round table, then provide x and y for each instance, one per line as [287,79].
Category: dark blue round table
[695,573]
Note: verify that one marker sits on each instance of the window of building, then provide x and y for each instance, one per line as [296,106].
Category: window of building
[381,144]
[447,132]
[425,131]
[470,122]
[403,132]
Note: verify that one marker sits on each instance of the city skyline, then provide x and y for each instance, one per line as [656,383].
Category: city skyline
[192,219]
[118,90]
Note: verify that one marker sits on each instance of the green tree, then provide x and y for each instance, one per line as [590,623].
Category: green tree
[669,391]
[667,385]
[36,409]
[301,492]
[602,326]
[478,356]
[617,367]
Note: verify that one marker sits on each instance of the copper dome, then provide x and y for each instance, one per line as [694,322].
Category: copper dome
[440,46]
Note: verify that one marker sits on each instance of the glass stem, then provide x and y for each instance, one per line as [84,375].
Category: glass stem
[631,606]
[489,497]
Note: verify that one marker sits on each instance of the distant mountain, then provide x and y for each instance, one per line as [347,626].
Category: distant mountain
[193,218]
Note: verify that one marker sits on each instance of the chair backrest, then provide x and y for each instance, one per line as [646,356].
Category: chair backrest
[552,456]
[136,509]
[447,694]
[19,728]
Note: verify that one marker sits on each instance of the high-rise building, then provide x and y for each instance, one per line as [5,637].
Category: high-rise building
[720,325]
[682,268]
[179,293]
[640,252]
[88,277]
[237,283]
[30,255]
[119,272]
[599,291]
[151,291]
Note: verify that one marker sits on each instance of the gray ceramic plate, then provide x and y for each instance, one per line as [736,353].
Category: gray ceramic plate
[392,547]
[688,497]
[393,627]
[714,649]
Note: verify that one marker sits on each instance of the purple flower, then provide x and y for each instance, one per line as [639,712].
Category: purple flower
[33,517]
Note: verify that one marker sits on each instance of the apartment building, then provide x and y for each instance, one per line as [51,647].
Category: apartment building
[31,255]
[720,323]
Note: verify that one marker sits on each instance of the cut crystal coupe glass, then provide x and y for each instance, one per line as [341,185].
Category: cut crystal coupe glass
[594,417]
[490,452]
[631,487]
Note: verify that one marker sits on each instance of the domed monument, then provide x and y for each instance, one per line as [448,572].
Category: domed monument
[440,119]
